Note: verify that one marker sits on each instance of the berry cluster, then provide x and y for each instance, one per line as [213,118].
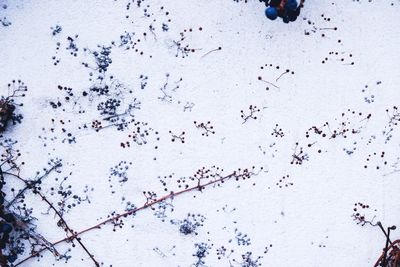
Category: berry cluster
[175,137]
[5,22]
[56,30]
[140,134]
[343,57]
[252,111]
[368,92]
[247,260]
[183,49]
[202,250]
[277,132]
[206,128]
[283,182]
[102,60]
[190,224]
[394,116]
[120,172]
[299,156]
[70,45]
[324,25]
[241,239]
[362,214]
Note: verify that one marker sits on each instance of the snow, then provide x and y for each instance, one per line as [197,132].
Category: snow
[304,220]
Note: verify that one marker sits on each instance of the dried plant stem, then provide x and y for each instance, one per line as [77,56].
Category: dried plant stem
[64,223]
[171,195]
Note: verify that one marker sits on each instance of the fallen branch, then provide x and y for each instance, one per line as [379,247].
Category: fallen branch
[199,187]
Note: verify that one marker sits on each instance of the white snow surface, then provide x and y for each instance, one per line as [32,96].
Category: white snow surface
[304,220]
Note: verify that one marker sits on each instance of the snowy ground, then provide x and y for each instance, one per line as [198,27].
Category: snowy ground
[175,65]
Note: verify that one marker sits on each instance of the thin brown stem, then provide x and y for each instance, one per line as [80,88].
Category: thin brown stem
[67,227]
[171,195]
